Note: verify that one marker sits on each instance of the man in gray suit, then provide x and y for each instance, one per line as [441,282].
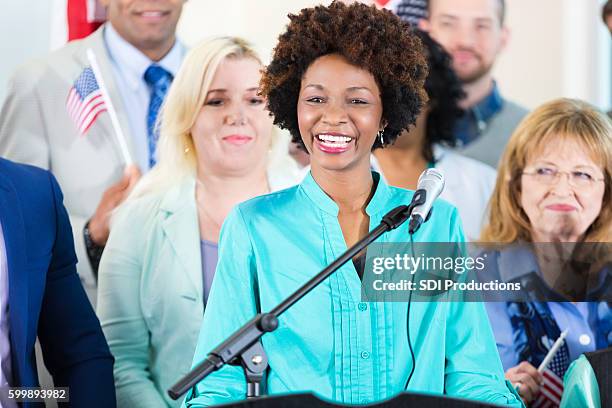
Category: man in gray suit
[138,55]
[473,33]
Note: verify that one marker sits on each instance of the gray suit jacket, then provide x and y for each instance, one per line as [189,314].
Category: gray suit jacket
[35,128]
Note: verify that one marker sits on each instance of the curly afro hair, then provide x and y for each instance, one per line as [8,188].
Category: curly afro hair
[445,91]
[372,39]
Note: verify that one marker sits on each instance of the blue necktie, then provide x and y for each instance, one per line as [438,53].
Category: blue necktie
[159,81]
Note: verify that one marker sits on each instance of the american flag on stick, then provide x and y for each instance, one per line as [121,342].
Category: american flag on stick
[550,392]
[553,367]
[88,98]
[85,101]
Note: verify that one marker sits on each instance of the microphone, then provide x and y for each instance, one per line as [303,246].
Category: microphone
[430,184]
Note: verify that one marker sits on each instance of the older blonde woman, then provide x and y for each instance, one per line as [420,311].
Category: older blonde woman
[553,188]
[214,152]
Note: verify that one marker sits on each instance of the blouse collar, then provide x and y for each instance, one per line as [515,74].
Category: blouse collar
[379,201]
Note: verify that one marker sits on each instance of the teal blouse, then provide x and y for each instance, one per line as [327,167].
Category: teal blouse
[330,342]
[580,388]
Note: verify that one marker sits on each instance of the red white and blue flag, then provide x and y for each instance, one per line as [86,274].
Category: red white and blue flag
[85,101]
[552,388]
[84,17]
[74,19]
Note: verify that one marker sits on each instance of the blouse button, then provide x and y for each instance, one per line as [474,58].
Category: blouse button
[584,339]
[362,306]
[365,355]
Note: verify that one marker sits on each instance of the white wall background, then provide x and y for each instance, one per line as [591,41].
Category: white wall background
[24,33]
[558,47]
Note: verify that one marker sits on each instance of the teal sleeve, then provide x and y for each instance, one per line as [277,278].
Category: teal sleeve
[231,303]
[470,343]
[580,387]
[456,228]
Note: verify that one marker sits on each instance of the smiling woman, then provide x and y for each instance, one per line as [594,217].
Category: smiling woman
[158,266]
[343,80]
[553,196]
[339,111]
[559,157]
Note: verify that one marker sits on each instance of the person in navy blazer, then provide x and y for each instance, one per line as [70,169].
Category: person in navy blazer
[45,296]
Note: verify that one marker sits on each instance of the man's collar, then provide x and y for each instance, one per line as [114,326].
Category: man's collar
[132,63]
[476,118]
[489,105]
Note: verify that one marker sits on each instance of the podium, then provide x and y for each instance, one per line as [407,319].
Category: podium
[404,400]
[601,362]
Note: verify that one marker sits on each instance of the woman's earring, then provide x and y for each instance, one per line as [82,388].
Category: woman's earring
[187,149]
[380,136]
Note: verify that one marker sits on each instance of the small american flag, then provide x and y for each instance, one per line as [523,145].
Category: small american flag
[552,389]
[85,101]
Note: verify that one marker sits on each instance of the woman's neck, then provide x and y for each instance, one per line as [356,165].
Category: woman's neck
[350,189]
[555,238]
[231,189]
[216,195]
[403,162]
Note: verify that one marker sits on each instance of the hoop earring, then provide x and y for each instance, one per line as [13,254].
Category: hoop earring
[380,136]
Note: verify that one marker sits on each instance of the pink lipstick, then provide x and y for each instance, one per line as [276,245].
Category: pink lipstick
[237,139]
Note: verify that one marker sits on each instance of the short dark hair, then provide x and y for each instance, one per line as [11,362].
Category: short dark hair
[445,91]
[606,11]
[502,10]
[372,39]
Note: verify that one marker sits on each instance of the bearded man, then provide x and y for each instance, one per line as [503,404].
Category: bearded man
[473,33]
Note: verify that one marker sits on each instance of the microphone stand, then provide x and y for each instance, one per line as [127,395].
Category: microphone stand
[244,348]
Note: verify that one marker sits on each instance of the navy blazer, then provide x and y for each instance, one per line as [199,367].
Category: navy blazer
[46,298]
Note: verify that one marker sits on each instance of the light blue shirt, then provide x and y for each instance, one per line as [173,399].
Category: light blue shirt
[129,65]
[209,251]
[5,345]
[580,318]
[575,317]
[331,342]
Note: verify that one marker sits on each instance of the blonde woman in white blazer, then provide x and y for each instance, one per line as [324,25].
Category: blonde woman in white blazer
[216,149]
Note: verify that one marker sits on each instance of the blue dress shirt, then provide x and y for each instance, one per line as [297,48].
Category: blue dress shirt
[585,321]
[129,65]
[6,376]
[331,342]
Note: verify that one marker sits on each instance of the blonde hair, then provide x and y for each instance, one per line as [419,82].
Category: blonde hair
[186,96]
[557,121]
